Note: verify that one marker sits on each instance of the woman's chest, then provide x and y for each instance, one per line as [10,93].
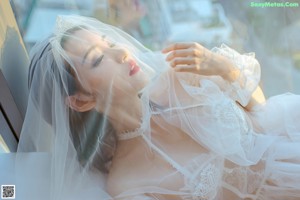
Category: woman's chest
[138,165]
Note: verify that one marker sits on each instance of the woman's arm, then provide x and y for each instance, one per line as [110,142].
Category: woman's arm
[241,71]
[257,98]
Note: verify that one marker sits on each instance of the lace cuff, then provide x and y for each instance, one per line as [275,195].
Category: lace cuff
[241,89]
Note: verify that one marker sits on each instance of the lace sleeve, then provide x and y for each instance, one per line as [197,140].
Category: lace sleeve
[241,89]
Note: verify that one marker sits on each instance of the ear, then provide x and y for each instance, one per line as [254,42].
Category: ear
[81,102]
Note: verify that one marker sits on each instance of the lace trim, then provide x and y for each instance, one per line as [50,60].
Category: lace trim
[204,185]
[228,112]
[231,116]
[246,83]
[243,179]
[130,134]
[205,179]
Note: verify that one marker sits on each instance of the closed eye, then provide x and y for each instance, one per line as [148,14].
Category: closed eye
[98,61]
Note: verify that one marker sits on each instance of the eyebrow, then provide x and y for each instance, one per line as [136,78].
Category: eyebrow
[87,53]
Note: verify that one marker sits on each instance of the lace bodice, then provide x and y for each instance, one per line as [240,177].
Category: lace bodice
[204,180]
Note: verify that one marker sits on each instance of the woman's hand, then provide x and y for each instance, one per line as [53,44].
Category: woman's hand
[187,57]
[194,58]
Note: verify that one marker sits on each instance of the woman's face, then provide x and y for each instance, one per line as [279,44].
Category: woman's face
[104,69]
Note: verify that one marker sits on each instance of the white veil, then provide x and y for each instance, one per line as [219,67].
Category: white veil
[78,147]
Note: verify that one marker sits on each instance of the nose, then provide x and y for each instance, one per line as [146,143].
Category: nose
[121,54]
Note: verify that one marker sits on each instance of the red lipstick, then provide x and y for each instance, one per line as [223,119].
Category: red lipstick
[134,68]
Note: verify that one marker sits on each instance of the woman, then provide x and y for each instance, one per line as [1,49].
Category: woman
[126,125]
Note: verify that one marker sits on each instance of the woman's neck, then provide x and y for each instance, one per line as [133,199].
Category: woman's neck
[126,116]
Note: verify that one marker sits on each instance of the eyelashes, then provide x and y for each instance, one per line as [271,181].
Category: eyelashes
[98,61]
[100,58]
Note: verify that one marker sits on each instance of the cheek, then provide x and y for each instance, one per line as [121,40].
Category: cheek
[109,78]
[88,80]
[101,81]
[112,72]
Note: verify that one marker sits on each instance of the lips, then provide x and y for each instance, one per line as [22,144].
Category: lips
[134,68]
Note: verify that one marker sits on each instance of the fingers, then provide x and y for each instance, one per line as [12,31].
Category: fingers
[185,61]
[187,68]
[183,53]
[178,46]
[187,57]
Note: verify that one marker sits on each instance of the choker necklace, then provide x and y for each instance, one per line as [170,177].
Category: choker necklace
[129,134]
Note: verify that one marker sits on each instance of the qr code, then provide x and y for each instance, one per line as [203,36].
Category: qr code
[8,191]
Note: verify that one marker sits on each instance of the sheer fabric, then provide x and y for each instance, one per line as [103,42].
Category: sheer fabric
[116,122]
